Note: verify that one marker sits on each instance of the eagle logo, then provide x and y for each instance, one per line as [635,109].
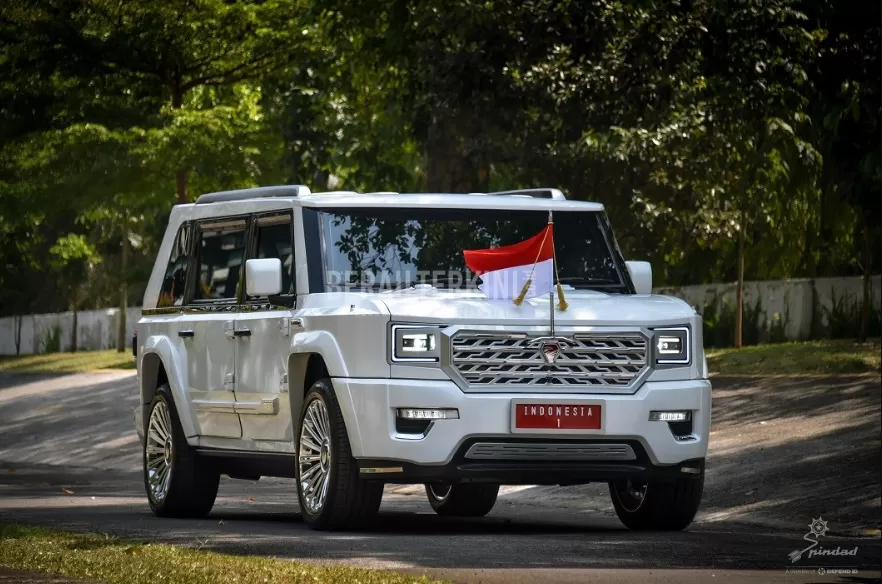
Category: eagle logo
[549,352]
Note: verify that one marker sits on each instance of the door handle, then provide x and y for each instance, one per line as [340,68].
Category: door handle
[186,333]
[242,332]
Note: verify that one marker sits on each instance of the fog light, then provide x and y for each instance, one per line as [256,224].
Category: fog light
[670,416]
[428,414]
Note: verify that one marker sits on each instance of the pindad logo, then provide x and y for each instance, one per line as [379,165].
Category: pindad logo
[817,529]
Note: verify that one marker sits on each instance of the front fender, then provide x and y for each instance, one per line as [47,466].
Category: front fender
[174,364]
[325,345]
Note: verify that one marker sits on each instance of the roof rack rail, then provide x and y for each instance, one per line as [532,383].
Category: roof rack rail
[255,193]
[535,193]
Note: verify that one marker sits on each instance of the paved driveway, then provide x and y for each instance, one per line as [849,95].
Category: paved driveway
[783,452]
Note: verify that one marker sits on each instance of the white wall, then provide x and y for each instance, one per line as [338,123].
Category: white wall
[797,302]
[96,329]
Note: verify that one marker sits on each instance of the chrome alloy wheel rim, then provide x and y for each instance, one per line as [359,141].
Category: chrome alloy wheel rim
[160,450]
[440,492]
[631,494]
[315,456]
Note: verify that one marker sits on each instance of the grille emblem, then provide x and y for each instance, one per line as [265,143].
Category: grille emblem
[550,351]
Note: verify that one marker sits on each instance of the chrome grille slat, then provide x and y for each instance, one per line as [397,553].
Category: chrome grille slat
[549,452]
[612,361]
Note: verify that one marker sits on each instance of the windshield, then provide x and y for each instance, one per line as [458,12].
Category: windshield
[401,247]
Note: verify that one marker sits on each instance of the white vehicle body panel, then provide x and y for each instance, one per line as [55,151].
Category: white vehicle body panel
[261,375]
[244,393]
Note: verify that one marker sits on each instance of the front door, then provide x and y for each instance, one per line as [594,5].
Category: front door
[211,315]
[262,353]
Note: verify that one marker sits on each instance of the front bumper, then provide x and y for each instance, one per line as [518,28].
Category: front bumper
[535,472]
[369,410]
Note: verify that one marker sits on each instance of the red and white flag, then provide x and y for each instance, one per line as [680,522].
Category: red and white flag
[504,271]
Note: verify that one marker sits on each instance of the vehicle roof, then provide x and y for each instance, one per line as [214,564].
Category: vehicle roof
[281,197]
[443,201]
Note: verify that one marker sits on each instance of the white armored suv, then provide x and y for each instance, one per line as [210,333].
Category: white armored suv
[339,338]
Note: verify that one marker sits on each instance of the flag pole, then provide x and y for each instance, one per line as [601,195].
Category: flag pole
[551,291]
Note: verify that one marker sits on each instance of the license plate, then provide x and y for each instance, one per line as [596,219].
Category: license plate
[557,416]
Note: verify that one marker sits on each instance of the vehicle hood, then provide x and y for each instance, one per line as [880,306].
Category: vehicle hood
[586,307]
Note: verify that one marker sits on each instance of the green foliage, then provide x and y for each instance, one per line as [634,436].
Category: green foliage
[719,322]
[696,124]
[778,326]
[842,320]
[50,339]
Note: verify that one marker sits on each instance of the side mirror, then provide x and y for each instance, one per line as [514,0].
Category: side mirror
[641,275]
[263,277]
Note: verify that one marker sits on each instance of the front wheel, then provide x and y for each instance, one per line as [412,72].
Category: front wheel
[331,494]
[464,500]
[648,506]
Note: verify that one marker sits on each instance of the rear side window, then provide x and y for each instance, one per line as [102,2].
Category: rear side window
[274,241]
[220,250]
[172,291]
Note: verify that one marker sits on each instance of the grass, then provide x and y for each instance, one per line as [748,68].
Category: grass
[116,561]
[67,362]
[831,357]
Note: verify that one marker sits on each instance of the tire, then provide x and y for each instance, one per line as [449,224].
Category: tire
[464,500]
[663,507]
[331,494]
[190,485]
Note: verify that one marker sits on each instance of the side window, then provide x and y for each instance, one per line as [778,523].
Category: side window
[220,249]
[172,291]
[274,241]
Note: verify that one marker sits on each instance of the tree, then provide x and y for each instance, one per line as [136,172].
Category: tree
[74,258]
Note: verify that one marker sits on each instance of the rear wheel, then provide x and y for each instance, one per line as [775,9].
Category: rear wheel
[331,494]
[464,500]
[178,482]
[648,506]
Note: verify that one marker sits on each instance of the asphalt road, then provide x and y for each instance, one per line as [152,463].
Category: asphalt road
[69,458]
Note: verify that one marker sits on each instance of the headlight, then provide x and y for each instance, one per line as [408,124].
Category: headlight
[671,345]
[416,343]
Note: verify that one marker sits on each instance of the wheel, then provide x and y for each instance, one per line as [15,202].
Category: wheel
[332,496]
[465,500]
[178,482]
[656,506]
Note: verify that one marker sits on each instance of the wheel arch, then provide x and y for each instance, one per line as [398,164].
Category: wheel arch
[159,364]
[304,369]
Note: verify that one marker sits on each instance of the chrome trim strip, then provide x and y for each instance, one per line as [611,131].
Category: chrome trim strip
[381,470]
[264,407]
[549,452]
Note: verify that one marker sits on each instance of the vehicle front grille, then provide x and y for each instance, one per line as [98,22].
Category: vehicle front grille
[549,452]
[599,362]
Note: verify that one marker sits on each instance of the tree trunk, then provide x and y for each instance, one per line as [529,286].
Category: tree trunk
[74,303]
[124,287]
[739,290]
[448,169]
[181,173]
[865,304]
[17,320]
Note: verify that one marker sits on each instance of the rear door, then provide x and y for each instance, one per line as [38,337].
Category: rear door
[211,335]
[262,356]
